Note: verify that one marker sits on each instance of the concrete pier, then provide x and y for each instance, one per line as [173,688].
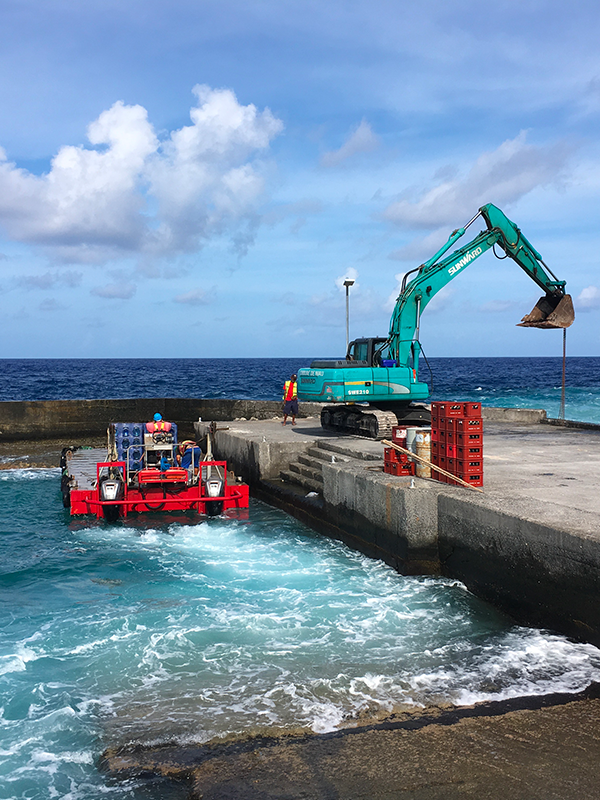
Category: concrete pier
[530,543]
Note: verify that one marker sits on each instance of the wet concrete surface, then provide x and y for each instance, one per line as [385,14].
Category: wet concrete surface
[543,748]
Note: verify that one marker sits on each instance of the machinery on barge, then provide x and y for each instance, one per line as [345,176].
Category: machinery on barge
[375,387]
[144,469]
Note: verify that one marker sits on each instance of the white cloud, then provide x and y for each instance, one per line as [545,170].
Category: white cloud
[202,178]
[588,298]
[115,291]
[195,297]
[131,193]
[361,140]
[502,177]
[89,197]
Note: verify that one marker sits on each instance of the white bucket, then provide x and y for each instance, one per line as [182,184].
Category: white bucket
[423,449]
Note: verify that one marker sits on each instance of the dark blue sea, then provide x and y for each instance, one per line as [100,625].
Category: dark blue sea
[512,382]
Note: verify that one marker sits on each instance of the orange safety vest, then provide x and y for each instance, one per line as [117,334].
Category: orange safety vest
[290,390]
[161,425]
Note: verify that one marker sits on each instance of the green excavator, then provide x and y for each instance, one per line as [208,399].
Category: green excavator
[377,385]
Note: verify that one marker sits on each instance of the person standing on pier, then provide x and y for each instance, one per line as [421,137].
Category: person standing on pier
[290,398]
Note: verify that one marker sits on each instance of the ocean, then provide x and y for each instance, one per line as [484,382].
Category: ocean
[173,628]
[513,382]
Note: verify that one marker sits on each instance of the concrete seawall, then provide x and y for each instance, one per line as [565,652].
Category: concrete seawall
[53,419]
[50,419]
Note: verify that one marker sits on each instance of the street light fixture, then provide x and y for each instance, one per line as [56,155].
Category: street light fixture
[348,283]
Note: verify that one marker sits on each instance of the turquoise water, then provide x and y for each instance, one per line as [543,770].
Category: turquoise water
[155,630]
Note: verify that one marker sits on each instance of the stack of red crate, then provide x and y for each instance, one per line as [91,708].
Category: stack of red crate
[395,462]
[457,441]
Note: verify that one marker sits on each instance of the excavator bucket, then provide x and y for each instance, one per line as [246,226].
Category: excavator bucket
[550,312]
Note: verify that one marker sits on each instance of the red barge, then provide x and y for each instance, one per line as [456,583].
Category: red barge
[145,470]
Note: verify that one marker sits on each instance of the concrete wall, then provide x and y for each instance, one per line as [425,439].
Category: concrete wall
[68,419]
[531,416]
[539,574]
[395,522]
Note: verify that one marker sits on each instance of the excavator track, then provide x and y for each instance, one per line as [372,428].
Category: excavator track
[371,423]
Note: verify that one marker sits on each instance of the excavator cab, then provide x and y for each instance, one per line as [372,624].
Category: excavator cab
[550,311]
[370,353]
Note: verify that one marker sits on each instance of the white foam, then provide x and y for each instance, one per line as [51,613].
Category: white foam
[29,474]
[17,662]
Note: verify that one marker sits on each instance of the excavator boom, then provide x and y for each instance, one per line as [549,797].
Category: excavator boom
[383,372]
[555,308]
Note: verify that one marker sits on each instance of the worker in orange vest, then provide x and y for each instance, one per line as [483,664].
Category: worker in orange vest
[158,424]
[290,398]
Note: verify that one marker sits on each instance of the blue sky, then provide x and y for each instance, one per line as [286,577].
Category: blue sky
[196,179]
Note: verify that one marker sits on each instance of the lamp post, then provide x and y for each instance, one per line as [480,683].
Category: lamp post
[348,283]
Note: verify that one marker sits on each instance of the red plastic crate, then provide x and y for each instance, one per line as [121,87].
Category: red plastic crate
[435,449]
[472,480]
[394,468]
[451,451]
[475,451]
[469,439]
[468,467]
[451,423]
[435,434]
[449,410]
[438,410]
[393,456]
[472,409]
[473,424]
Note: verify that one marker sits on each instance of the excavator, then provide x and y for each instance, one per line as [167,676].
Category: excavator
[377,385]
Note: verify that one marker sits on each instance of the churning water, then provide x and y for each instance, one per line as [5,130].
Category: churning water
[162,629]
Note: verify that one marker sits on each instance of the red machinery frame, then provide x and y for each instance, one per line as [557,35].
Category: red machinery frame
[160,491]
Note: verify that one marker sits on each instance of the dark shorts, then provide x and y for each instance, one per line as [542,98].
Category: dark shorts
[290,407]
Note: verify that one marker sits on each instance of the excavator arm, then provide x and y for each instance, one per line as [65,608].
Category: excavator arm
[553,310]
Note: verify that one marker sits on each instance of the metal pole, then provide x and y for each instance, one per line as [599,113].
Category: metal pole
[561,413]
[348,283]
[347,316]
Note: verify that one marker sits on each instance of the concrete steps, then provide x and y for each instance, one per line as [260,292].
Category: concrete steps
[350,450]
[306,482]
[307,470]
